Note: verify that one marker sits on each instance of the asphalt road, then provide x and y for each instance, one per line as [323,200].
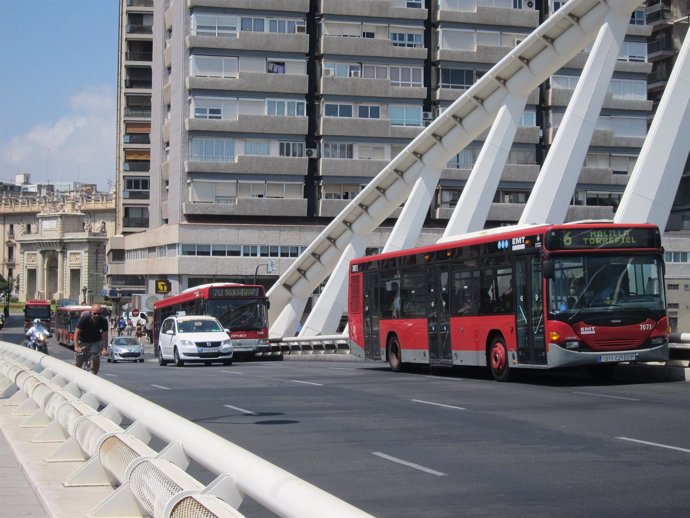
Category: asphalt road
[442,444]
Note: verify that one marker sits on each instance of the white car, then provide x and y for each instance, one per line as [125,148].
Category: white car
[197,338]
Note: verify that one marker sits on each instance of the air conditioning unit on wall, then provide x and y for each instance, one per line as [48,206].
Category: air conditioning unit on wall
[311,152]
[428,116]
[528,4]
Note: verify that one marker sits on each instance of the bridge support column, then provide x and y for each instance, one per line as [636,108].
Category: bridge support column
[662,158]
[326,313]
[409,224]
[556,183]
[472,210]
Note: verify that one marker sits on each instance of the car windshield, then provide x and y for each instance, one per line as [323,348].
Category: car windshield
[583,284]
[125,340]
[199,326]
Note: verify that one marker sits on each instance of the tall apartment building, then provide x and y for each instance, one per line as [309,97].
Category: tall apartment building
[268,116]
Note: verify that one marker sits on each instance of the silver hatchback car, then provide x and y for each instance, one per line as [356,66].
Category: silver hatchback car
[125,349]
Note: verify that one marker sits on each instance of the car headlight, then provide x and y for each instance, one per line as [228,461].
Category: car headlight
[226,345]
[187,344]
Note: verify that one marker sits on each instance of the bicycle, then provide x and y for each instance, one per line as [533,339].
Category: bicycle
[87,363]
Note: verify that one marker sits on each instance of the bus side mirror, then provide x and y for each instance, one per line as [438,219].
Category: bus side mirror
[548,269]
[268,304]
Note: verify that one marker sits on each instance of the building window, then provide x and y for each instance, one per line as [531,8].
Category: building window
[214,66]
[257,147]
[405,115]
[214,25]
[337,110]
[406,76]
[137,217]
[213,150]
[295,149]
[406,39]
[284,107]
[456,78]
[366,111]
[252,24]
[275,67]
[337,150]
[674,287]
[136,188]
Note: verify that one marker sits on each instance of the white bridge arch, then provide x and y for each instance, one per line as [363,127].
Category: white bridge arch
[496,103]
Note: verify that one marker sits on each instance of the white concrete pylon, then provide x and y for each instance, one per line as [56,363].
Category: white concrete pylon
[655,178]
[409,225]
[474,204]
[554,188]
[326,313]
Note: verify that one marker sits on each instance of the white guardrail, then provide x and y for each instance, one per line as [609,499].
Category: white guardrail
[83,412]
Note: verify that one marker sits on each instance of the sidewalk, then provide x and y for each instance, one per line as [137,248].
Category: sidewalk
[16,494]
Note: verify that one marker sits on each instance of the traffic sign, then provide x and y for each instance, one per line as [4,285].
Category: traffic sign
[162,286]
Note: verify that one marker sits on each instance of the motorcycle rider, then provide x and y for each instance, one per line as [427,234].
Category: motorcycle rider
[36,336]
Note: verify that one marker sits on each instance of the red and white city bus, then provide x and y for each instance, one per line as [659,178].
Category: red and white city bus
[38,308]
[241,308]
[539,297]
[66,318]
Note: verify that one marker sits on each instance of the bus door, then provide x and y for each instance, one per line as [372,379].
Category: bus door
[529,313]
[439,316]
[372,348]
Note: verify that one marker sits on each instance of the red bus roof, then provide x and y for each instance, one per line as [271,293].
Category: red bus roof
[202,292]
[492,234]
[81,308]
[37,302]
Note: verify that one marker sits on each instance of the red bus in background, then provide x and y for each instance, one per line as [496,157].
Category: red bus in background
[37,308]
[241,308]
[66,318]
[534,297]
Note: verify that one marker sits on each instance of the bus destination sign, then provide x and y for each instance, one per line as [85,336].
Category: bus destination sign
[621,237]
[233,291]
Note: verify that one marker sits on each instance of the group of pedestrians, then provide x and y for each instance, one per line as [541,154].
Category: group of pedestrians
[127,328]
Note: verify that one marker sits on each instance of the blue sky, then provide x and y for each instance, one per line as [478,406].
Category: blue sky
[58,90]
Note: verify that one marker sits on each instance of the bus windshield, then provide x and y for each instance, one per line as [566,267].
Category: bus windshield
[239,314]
[32,312]
[594,283]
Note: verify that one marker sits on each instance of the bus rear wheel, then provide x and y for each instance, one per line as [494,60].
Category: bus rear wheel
[498,359]
[394,355]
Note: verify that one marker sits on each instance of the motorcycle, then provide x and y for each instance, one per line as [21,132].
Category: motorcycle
[39,341]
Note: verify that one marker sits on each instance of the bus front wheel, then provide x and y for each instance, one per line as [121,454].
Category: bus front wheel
[498,359]
[394,355]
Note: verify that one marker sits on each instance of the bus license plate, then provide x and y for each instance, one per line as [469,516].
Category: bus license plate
[629,357]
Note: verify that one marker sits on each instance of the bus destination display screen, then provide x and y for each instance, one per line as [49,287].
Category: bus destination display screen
[233,291]
[576,239]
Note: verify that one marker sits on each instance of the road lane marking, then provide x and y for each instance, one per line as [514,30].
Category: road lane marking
[232,372]
[606,396]
[409,464]
[654,444]
[110,375]
[247,412]
[160,387]
[308,383]
[437,404]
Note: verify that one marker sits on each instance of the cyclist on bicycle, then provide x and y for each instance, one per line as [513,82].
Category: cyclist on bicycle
[91,337]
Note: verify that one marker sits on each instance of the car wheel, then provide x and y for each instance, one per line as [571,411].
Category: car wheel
[227,362]
[109,360]
[141,360]
[162,361]
[178,361]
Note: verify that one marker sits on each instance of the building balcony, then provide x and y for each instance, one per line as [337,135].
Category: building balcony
[138,29]
[659,14]
[293,6]
[136,195]
[254,41]
[134,55]
[481,54]
[562,97]
[137,166]
[354,168]
[136,138]
[385,9]
[135,223]
[249,207]
[252,82]
[661,49]
[368,88]
[273,124]
[496,16]
[253,165]
[137,112]
[367,48]
[140,3]
[138,84]
[351,127]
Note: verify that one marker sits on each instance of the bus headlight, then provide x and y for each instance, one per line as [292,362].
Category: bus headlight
[657,340]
